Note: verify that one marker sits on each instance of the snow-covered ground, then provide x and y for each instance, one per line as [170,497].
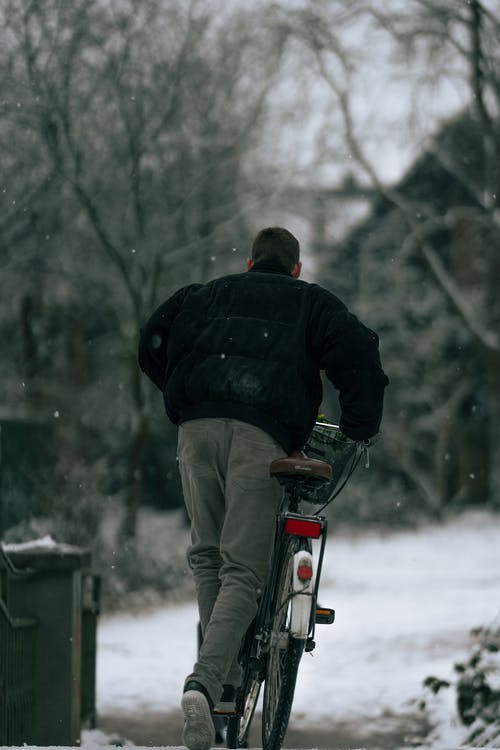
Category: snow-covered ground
[405,603]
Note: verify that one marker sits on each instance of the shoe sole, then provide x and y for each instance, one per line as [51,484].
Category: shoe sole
[199,730]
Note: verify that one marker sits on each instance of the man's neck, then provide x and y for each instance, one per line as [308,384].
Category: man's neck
[269,266]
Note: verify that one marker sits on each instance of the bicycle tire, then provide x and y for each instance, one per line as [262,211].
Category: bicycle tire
[238,727]
[284,655]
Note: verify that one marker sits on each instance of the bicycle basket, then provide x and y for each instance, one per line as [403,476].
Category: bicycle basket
[337,450]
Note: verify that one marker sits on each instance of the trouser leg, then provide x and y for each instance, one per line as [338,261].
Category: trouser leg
[251,502]
[203,489]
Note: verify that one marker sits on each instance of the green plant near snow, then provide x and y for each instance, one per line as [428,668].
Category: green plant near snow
[477,688]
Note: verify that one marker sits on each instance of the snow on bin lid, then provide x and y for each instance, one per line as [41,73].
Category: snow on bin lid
[45,553]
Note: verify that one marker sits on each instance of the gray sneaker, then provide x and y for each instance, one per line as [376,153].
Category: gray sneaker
[199,731]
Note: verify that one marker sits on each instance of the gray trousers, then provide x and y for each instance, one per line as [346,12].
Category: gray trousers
[232,502]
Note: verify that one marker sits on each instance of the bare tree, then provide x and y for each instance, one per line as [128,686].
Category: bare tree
[127,125]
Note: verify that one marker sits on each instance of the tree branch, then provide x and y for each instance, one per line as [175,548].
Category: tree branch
[418,231]
[489,340]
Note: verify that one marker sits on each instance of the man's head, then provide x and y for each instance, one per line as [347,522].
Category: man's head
[277,245]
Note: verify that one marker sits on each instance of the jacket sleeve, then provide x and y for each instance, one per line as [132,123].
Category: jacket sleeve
[153,340]
[348,352]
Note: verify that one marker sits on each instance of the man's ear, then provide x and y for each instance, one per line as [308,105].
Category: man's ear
[250,262]
[296,270]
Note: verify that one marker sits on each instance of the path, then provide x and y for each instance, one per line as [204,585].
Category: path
[387,733]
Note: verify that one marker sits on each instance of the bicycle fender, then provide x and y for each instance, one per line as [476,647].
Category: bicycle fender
[302,596]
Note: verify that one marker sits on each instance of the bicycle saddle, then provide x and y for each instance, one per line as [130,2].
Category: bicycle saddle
[297,464]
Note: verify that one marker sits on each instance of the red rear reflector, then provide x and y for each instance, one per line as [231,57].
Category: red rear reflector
[305,572]
[299,527]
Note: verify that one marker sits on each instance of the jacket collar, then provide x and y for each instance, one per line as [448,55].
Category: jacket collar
[269,266]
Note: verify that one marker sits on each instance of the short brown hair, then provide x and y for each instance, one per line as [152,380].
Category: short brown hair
[278,245]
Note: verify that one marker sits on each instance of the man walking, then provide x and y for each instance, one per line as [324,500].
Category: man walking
[238,361]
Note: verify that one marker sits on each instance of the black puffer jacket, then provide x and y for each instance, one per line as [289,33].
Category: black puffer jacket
[250,346]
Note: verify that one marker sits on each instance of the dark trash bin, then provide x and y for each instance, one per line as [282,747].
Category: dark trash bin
[52,594]
[17,667]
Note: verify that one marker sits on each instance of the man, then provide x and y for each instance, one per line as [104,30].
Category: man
[238,361]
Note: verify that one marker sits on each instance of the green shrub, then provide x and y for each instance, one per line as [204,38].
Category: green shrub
[477,688]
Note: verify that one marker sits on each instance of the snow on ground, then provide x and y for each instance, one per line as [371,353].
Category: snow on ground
[405,603]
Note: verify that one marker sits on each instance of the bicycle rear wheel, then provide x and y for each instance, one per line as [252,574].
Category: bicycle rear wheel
[284,655]
[238,727]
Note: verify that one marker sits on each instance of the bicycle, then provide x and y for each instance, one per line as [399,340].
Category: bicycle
[284,627]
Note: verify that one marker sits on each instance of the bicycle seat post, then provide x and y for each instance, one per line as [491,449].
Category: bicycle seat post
[292,496]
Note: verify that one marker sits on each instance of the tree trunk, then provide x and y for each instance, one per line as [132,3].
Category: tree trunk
[493,362]
[134,480]
[140,433]
[28,312]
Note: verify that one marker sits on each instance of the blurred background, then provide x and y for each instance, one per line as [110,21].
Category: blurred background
[142,147]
